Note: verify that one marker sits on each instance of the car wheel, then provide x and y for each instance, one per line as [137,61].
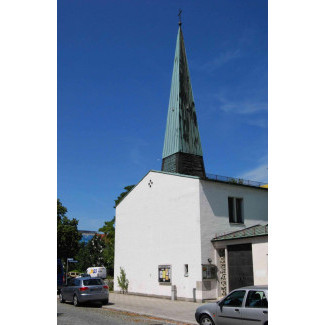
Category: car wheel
[61,298]
[206,320]
[76,301]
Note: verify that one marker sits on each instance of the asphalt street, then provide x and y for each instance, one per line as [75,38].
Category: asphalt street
[68,314]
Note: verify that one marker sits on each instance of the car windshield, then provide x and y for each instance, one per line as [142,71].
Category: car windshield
[92,282]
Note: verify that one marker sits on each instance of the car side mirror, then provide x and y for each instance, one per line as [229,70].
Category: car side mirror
[220,305]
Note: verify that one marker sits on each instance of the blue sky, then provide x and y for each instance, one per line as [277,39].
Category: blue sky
[115,61]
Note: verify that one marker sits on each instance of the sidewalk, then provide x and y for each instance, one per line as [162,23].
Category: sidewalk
[179,311]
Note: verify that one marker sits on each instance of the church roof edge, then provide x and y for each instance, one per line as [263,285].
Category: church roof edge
[195,177]
[157,171]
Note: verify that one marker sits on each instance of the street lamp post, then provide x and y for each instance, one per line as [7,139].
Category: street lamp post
[71,260]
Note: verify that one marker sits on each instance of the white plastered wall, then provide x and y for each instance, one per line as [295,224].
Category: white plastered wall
[260,263]
[159,225]
[215,217]
[214,211]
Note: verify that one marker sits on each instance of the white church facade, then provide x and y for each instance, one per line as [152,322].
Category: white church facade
[180,233]
[167,222]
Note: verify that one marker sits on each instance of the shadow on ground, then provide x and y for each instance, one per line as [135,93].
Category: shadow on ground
[90,304]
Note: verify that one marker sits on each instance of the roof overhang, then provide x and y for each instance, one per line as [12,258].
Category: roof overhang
[249,232]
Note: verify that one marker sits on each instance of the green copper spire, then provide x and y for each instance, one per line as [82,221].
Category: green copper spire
[182,151]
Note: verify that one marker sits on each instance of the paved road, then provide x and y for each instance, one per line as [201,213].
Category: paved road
[67,314]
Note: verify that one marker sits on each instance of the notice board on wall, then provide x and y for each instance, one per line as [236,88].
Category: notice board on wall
[209,271]
[164,274]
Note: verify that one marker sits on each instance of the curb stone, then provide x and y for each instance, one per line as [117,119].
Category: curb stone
[156,317]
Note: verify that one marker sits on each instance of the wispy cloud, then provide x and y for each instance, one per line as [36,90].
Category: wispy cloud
[221,59]
[234,51]
[260,122]
[244,106]
[258,173]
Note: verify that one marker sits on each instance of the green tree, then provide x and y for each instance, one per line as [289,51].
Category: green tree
[123,194]
[122,281]
[91,254]
[61,210]
[96,249]
[109,231]
[68,236]
[109,238]
[83,258]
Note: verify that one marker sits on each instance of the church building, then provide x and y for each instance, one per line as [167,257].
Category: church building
[184,234]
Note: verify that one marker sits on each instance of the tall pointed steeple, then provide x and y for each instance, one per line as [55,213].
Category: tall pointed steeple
[182,151]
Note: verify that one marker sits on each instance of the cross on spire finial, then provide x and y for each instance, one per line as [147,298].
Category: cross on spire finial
[180,17]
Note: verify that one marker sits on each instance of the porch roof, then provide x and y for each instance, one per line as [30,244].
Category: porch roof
[254,231]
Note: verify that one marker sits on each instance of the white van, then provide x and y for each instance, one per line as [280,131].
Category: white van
[97,272]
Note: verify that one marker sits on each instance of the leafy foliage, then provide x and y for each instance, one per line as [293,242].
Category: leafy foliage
[122,281]
[68,236]
[99,251]
[109,238]
[91,254]
[110,283]
[61,210]
[109,231]
[236,181]
[96,247]
[123,194]
[83,258]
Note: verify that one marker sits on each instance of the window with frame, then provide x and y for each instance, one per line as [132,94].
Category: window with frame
[93,282]
[185,269]
[235,210]
[209,271]
[256,299]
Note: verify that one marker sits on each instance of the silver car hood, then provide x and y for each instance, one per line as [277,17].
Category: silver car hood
[208,306]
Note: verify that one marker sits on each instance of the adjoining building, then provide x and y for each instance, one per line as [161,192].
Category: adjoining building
[87,235]
[167,227]
[242,258]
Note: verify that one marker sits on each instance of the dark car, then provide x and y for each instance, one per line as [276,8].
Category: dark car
[60,275]
[84,289]
[246,306]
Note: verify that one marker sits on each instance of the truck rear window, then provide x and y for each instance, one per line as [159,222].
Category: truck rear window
[93,282]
